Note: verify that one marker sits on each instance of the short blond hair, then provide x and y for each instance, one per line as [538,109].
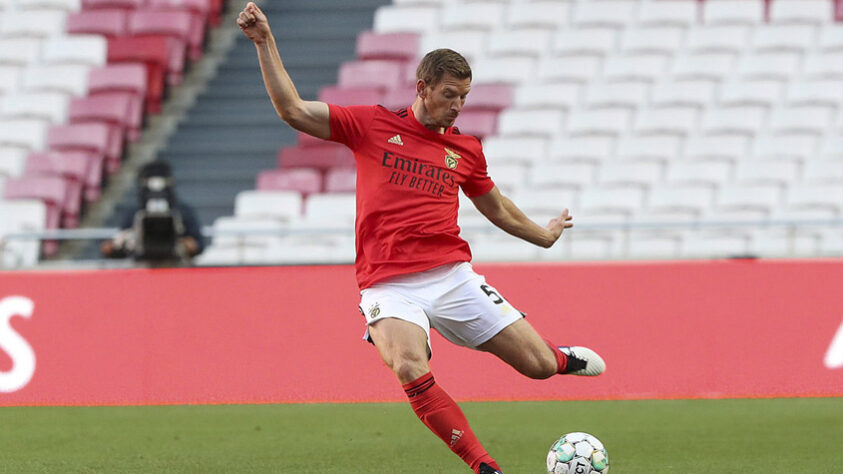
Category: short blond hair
[438,62]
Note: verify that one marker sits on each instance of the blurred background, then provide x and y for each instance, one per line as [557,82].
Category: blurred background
[672,129]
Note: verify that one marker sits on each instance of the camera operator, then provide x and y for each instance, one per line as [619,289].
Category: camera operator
[160,228]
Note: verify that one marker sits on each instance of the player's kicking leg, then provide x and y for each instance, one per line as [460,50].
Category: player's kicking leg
[520,346]
[403,347]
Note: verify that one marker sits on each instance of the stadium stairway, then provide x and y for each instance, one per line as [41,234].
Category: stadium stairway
[231,132]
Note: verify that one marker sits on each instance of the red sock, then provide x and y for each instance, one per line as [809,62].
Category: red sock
[561,358]
[441,414]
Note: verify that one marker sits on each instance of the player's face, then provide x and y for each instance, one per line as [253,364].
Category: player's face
[444,100]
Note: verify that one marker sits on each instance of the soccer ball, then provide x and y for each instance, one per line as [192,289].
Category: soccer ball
[577,453]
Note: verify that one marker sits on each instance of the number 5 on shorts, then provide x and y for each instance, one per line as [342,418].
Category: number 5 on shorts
[491,293]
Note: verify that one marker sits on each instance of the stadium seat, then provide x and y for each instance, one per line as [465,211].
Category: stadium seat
[823,66]
[128,80]
[399,97]
[10,79]
[807,119]
[389,46]
[638,67]
[304,180]
[797,147]
[713,245]
[581,69]
[611,199]
[493,97]
[322,156]
[776,172]
[737,120]
[764,93]
[341,180]
[640,174]
[20,215]
[66,5]
[711,173]
[90,137]
[20,51]
[154,52]
[682,14]
[561,175]
[503,70]
[113,4]
[12,161]
[69,79]
[52,191]
[231,231]
[501,150]
[613,121]
[479,123]
[82,167]
[362,95]
[668,120]
[105,22]
[706,66]
[175,25]
[616,94]
[776,66]
[329,211]
[88,50]
[682,93]
[824,172]
[508,178]
[585,41]
[673,201]
[758,199]
[654,148]
[504,248]
[832,148]
[466,16]
[588,148]
[649,246]
[561,96]
[544,204]
[725,147]
[51,107]
[520,42]
[783,38]
[29,134]
[731,39]
[200,11]
[374,73]
[611,14]
[745,12]
[72,171]
[813,12]
[406,19]
[545,14]
[541,123]
[808,196]
[825,93]
[19,24]
[471,44]
[655,40]
[831,38]
[282,206]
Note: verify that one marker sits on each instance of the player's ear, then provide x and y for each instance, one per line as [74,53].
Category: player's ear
[421,88]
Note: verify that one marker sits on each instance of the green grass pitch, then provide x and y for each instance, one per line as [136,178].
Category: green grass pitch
[642,437]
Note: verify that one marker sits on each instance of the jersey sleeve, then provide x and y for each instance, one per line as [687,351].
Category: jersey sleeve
[479,182]
[350,124]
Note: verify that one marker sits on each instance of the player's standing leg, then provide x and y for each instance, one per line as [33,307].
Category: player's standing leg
[403,347]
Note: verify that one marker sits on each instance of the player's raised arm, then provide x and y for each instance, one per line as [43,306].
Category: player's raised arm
[502,212]
[310,117]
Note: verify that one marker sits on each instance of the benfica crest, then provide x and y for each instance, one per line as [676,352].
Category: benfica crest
[451,158]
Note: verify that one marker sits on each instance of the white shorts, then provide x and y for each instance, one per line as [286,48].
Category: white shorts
[451,299]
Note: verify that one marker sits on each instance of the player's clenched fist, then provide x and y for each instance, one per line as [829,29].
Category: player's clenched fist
[253,23]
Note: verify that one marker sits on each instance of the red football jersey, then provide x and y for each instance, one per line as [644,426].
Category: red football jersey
[408,179]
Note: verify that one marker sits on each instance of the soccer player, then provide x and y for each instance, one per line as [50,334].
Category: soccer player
[412,266]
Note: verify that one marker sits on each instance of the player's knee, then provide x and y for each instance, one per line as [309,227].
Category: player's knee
[408,366]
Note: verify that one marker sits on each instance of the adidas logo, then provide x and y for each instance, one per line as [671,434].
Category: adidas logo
[396,140]
[455,436]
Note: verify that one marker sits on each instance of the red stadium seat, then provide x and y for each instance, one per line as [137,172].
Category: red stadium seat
[111,109]
[113,4]
[351,95]
[73,171]
[481,123]
[127,80]
[88,137]
[85,167]
[175,27]
[494,97]
[199,11]
[154,53]
[304,180]
[325,156]
[341,180]
[306,140]
[374,73]
[51,190]
[399,97]
[106,22]
[400,46]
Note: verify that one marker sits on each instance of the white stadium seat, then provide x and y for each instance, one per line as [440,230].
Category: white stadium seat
[66,5]
[785,146]
[621,200]
[409,19]
[589,41]
[561,175]
[713,245]
[778,66]
[745,12]
[813,196]
[826,93]
[334,210]
[471,44]
[683,93]
[824,172]
[831,38]
[512,150]
[562,96]
[807,119]
[20,51]
[583,68]
[549,14]
[50,106]
[783,38]
[641,174]
[89,50]
[724,147]
[70,79]
[668,120]
[12,162]
[823,66]
[543,204]
[466,16]
[832,148]
[707,66]
[712,173]
[656,148]
[541,123]
[284,206]
[521,42]
[605,121]
[20,215]
[613,14]
[718,39]
[745,120]
[237,231]
[508,70]
[503,248]
[690,200]
[508,177]
[639,67]
[655,40]
[764,93]
[681,13]
[802,11]
[590,148]
[777,172]
[20,24]
[616,94]
[29,134]
[10,79]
